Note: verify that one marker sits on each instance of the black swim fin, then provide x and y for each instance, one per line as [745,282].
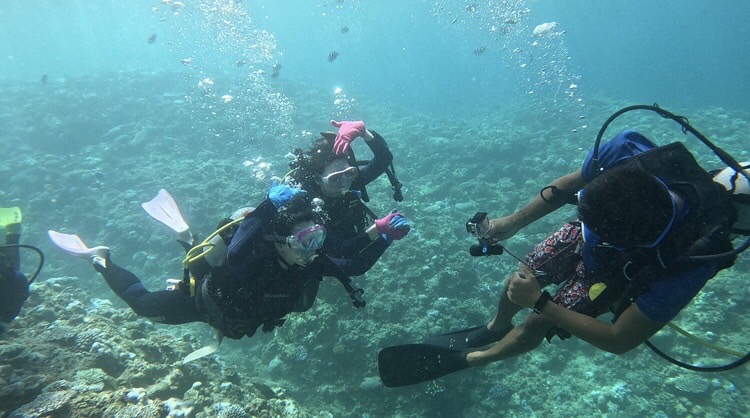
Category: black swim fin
[409,364]
[475,337]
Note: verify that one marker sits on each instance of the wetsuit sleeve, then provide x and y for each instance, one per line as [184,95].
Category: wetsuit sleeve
[361,262]
[624,146]
[241,254]
[347,248]
[381,158]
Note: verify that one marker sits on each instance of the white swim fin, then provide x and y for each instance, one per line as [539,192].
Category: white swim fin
[164,209]
[73,245]
[207,350]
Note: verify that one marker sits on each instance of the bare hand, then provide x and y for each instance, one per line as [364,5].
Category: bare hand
[501,229]
[523,288]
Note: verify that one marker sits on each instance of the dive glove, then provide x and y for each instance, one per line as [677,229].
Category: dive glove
[394,226]
[280,194]
[348,132]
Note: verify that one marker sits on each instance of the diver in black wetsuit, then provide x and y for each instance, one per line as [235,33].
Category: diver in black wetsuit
[329,172]
[14,287]
[273,267]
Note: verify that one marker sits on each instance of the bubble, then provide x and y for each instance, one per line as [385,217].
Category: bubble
[545,28]
[536,54]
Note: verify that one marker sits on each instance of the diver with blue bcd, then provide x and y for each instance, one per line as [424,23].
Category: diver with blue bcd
[653,227]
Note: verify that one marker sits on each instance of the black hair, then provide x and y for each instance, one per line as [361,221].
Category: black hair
[297,210]
[626,206]
[308,165]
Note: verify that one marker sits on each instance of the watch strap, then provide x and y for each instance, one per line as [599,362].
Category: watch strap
[541,302]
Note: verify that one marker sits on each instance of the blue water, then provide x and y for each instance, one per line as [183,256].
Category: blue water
[676,53]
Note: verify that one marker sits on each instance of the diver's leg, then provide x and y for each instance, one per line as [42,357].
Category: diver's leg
[165,306]
[517,341]
[506,310]
[13,239]
[557,256]
[498,327]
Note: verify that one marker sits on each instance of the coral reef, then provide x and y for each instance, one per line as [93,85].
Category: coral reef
[90,359]
[77,349]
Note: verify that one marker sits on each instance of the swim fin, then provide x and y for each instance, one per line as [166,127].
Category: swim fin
[209,349]
[404,365]
[474,337]
[164,209]
[409,364]
[10,216]
[73,245]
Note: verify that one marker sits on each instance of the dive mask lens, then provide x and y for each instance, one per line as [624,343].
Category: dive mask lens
[335,179]
[309,239]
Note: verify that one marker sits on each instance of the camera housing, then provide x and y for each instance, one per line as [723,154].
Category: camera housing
[477,226]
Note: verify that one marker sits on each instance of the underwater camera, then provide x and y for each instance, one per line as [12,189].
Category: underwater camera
[477,226]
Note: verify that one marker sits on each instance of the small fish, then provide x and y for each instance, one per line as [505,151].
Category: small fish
[241,62]
[471,8]
[152,38]
[332,56]
[480,50]
[344,29]
[187,61]
[275,70]
[44,79]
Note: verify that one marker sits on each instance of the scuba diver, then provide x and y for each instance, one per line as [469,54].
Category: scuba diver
[653,227]
[14,286]
[272,266]
[331,173]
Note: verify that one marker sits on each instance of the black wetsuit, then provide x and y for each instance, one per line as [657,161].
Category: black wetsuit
[250,290]
[14,288]
[348,214]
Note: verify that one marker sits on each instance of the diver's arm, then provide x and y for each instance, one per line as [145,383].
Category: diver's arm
[630,330]
[249,232]
[361,262]
[349,247]
[505,227]
[381,158]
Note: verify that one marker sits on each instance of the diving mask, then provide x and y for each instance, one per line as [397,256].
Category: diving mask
[339,178]
[307,240]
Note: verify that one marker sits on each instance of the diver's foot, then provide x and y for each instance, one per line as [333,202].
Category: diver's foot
[484,336]
[99,255]
[185,238]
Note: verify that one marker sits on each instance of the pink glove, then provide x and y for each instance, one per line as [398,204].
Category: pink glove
[348,131]
[393,225]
